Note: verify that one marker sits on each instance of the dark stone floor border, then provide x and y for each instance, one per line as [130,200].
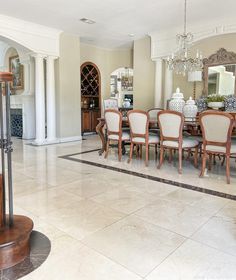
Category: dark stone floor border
[149,177]
[40,247]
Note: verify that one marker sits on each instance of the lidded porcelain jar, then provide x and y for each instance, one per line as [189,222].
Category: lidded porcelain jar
[190,110]
[177,101]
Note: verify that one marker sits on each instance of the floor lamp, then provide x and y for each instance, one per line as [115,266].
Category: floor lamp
[195,76]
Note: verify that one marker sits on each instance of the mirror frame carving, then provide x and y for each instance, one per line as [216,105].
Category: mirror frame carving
[221,57]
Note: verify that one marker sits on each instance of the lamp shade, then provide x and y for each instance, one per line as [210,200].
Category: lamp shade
[195,76]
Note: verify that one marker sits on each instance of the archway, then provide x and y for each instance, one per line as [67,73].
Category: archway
[121,86]
[14,56]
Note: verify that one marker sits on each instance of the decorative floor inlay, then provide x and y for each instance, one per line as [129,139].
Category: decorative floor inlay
[40,249]
[146,176]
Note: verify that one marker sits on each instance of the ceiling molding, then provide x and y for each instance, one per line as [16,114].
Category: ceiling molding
[163,44]
[34,37]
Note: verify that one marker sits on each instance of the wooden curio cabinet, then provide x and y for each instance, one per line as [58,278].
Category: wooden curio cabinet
[90,96]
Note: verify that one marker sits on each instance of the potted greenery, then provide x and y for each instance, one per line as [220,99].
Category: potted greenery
[215,101]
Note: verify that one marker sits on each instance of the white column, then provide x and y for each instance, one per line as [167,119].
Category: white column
[51,101]
[158,84]
[39,100]
[168,85]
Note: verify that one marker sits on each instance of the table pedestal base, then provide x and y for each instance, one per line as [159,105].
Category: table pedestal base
[14,241]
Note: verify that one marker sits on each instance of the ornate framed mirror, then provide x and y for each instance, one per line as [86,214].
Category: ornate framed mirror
[219,72]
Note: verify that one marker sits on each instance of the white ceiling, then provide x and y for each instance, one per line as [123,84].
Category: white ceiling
[115,20]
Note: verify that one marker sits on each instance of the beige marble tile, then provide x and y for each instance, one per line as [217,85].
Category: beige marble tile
[124,200]
[44,202]
[89,186]
[71,260]
[178,216]
[28,186]
[193,260]
[51,191]
[220,231]
[134,243]
[82,218]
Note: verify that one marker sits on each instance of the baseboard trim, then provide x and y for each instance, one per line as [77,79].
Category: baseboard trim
[70,139]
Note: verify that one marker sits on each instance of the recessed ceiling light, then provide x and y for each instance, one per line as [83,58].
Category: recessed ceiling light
[131,35]
[88,21]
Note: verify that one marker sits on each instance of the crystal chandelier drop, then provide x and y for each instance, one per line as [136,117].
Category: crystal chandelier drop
[181,62]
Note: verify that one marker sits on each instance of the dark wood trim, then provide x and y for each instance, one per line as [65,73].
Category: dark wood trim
[14,242]
[221,57]
[97,98]
[6,77]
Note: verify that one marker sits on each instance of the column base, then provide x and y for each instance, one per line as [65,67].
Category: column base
[45,142]
[52,141]
[38,142]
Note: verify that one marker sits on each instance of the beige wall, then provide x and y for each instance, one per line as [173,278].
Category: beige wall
[68,87]
[107,61]
[144,75]
[208,47]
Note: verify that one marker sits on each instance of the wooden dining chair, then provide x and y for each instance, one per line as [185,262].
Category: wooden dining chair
[139,134]
[113,119]
[152,113]
[171,125]
[217,130]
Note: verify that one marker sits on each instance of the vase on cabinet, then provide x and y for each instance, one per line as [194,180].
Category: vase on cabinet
[190,110]
[177,101]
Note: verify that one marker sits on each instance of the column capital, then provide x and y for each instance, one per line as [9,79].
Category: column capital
[38,55]
[51,57]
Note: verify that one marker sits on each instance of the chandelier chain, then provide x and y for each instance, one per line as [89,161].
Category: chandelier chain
[185,17]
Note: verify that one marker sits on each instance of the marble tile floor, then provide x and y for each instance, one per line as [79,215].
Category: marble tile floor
[106,225]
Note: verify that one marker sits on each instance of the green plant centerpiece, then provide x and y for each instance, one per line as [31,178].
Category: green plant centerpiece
[215,101]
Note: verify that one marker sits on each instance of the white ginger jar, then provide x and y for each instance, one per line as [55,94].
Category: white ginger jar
[177,101]
[190,110]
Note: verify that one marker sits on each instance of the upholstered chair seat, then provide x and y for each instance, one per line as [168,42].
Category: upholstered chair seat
[171,137]
[187,143]
[152,139]
[219,149]
[124,137]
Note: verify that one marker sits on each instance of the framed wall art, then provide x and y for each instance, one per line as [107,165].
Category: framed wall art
[17,70]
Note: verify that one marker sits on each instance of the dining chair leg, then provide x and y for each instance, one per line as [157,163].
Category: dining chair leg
[204,156]
[180,160]
[210,162]
[189,154]
[161,157]
[214,159]
[223,160]
[141,150]
[131,152]
[107,149]
[156,151]
[228,169]
[196,157]
[137,150]
[170,155]
[147,151]
[119,150]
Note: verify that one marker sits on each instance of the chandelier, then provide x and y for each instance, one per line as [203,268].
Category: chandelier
[181,62]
